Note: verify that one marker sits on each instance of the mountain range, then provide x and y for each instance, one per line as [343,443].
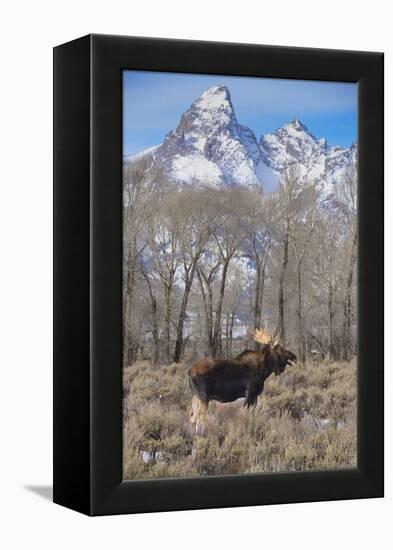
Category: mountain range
[210,147]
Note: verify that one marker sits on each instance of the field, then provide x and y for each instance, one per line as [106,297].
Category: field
[305,419]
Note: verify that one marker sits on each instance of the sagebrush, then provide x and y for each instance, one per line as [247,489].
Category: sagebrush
[305,419]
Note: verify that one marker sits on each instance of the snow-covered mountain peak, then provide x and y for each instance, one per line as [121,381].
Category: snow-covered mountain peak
[217,97]
[211,111]
[294,143]
[297,125]
[210,147]
[296,130]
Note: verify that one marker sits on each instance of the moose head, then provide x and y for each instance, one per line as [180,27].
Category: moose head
[276,356]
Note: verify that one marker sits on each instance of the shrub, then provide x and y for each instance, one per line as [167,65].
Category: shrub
[305,419]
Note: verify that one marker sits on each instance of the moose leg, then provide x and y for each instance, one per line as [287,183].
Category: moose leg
[194,409]
[200,422]
[251,399]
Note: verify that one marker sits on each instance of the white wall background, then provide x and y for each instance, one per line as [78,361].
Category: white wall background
[28,31]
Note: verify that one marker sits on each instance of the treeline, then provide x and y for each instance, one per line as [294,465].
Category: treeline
[204,267]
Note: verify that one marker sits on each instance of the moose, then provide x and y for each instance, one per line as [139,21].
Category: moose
[226,380]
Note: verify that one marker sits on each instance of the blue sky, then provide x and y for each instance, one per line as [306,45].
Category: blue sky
[153,103]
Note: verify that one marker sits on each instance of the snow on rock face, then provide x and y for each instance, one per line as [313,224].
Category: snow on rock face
[214,107]
[210,147]
[293,143]
[195,167]
[146,153]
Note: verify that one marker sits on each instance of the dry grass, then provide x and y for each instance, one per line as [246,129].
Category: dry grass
[305,419]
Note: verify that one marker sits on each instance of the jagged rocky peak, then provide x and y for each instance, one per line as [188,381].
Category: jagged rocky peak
[215,98]
[294,143]
[297,130]
[212,110]
[297,124]
[210,147]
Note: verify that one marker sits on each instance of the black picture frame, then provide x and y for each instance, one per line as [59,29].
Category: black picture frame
[88,266]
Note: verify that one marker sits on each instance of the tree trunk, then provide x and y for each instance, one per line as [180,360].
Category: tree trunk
[129,286]
[182,315]
[210,318]
[281,298]
[261,273]
[331,317]
[347,345]
[155,330]
[167,324]
[231,333]
[153,302]
[217,324]
[302,348]
[227,322]
[135,346]
[220,343]
[257,304]
[208,308]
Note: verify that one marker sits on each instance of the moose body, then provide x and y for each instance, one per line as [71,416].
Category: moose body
[226,380]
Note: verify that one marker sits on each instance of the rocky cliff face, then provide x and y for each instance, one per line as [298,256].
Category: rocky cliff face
[210,147]
[293,143]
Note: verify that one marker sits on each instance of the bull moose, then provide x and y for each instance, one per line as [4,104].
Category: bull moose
[226,380]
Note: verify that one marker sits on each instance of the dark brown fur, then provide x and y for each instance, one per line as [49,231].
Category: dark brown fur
[226,380]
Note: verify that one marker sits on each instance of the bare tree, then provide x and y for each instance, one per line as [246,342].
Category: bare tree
[288,192]
[256,245]
[154,314]
[196,212]
[163,238]
[203,266]
[207,271]
[303,229]
[347,193]
[326,277]
[138,186]
[234,298]
[228,236]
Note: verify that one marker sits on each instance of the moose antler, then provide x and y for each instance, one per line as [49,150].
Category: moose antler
[276,337]
[263,337]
